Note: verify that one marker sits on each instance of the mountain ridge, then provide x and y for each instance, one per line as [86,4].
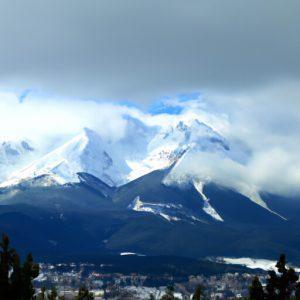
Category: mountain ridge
[112,162]
[169,220]
[84,186]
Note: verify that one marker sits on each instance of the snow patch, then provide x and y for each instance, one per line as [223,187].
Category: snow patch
[206,206]
[154,208]
[41,278]
[252,263]
[168,211]
[158,159]
[131,253]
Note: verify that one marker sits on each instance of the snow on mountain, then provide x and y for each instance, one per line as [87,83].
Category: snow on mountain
[169,145]
[84,153]
[13,154]
[201,148]
[168,211]
[88,152]
[188,149]
[154,208]
[141,150]
[206,206]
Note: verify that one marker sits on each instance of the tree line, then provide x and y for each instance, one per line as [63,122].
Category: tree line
[16,278]
[16,281]
[281,285]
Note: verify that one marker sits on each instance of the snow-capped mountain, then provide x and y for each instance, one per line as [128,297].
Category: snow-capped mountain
[191,134]
[85,153]
[173,202]
[141,150]
[169,145]
[14,154]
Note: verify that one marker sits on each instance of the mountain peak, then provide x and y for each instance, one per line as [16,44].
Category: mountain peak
[90,134]
[142,150]
[13,154]
[181,126]
[84,153]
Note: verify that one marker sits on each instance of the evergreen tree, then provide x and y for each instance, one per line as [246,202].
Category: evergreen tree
[53,294]
[169,294]
[279,286]
[283,285]
[42,295]
[151,297]
[84,294]
[30,271]
[297,291]
[5,265]
[291,278]
[256,291]
[198,292]
[15,279]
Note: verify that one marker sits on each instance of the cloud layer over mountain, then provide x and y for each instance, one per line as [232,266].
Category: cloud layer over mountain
[262,129]
[238,63]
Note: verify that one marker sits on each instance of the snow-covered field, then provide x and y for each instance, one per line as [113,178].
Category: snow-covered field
[252,263]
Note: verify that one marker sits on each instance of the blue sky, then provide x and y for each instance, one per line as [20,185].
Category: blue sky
[165,105]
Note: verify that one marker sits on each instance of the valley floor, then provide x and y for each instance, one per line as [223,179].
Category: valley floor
[68,277]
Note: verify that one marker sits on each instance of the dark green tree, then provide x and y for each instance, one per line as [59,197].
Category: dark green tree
[42,295]
[15,279]
[5,265]
[84,294]
[29,271]
[256,291]
[151,297]
[169,295]
[198,293]
[297,291]
[283,285]
[280,286]
[53,294]
[272,283]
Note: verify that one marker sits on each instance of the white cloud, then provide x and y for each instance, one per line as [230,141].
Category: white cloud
[41,119]
[266,123]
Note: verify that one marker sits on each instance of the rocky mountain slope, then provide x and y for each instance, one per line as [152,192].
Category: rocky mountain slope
[147,201]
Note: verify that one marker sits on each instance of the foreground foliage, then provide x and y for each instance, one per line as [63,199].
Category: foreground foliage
[282,285]
[16,278]
[169,294]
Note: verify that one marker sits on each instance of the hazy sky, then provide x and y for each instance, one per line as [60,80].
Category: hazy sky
[237,60]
